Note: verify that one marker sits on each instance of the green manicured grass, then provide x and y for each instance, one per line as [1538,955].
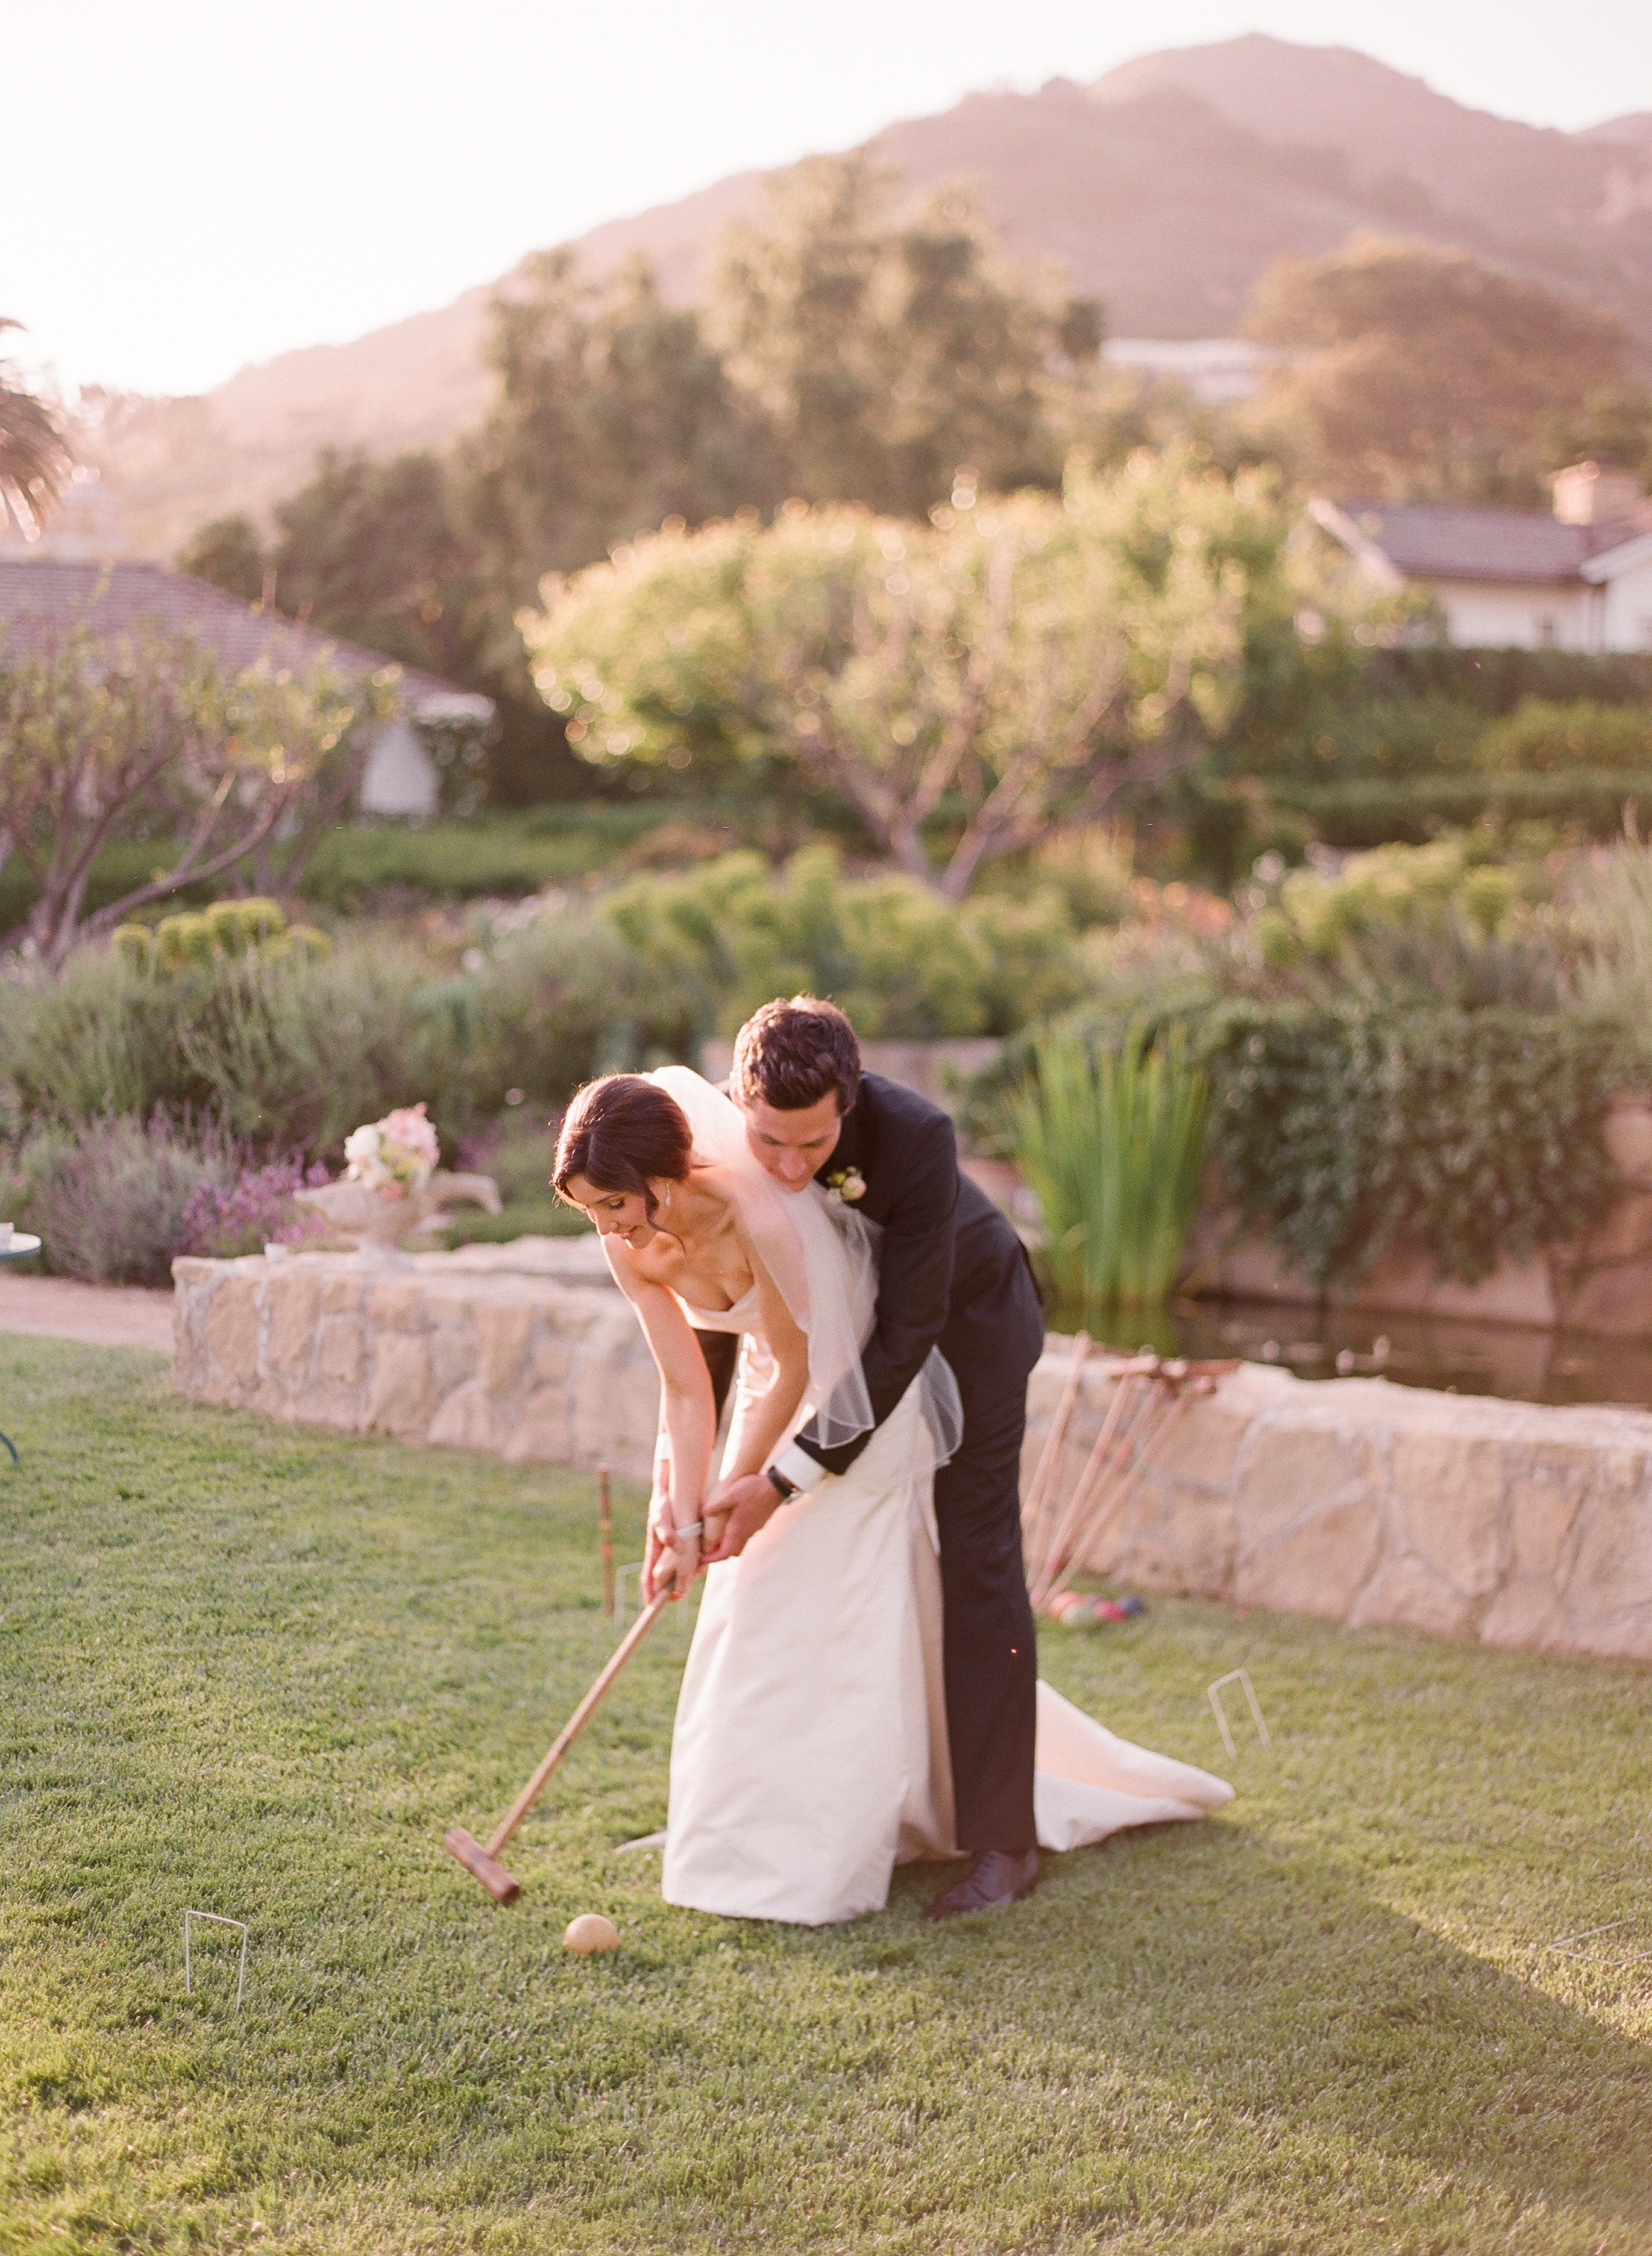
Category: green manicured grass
[258,1672]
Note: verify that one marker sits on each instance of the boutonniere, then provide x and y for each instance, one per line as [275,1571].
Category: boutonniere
[848,1185]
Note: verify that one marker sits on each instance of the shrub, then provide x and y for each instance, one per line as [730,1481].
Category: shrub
[1112,1142]
[1475,1133]
[903,962]
[1425,887]
[111,1200]
[1541,737]
[254,1210]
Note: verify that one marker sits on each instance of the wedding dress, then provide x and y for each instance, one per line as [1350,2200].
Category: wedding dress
[809,1752]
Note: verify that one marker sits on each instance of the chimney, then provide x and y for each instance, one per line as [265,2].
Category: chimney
[1595,493]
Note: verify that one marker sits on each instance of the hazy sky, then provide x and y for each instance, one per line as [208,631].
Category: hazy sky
[187,186]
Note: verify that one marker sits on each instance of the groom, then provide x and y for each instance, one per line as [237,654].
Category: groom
[951,1274]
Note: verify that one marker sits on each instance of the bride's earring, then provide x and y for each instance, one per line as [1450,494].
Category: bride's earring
[666,1196]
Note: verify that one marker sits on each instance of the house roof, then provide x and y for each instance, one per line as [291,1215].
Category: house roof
[1431,540]
[41,599]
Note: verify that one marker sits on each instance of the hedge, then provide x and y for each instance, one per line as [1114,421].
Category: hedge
[1477,1133]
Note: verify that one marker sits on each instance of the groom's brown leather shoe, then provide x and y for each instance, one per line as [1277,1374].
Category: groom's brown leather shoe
[992,1876]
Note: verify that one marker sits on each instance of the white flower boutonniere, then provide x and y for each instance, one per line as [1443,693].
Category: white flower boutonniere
[848,1185]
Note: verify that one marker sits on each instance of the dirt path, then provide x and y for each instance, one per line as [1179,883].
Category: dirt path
[106,1315]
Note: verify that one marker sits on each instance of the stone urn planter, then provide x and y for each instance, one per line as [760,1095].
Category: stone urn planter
[374,1220]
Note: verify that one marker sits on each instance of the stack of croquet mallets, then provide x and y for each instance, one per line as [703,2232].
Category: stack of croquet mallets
[1062,1534]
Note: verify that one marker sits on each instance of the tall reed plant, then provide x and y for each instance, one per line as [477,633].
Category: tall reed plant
[1112,1142]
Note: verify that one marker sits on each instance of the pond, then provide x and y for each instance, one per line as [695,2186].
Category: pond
[1520,1361]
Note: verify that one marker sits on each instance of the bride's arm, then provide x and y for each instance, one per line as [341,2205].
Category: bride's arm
[765,1419]
[688,1424]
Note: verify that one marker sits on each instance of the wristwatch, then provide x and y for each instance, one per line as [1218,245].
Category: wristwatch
[786,1489]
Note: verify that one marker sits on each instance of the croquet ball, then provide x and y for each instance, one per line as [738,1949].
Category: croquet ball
[589,1934]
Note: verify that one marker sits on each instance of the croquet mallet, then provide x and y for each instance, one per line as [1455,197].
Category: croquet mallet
[484,1863]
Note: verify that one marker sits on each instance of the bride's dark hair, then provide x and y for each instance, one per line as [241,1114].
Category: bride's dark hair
[619,1133]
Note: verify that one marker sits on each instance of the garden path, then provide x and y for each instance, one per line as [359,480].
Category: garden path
[106,1315]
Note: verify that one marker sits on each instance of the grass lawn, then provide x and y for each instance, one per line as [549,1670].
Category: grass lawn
[258,1672]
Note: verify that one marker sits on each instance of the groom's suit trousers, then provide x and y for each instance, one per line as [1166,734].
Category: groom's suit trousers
[989,1644]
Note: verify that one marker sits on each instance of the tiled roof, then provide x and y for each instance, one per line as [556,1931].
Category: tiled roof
[1429,541]
[41,599]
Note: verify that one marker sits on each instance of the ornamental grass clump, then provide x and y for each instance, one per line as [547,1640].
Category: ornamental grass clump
[1112,1142]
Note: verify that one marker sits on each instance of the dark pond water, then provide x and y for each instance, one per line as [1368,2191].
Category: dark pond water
[1516,1361]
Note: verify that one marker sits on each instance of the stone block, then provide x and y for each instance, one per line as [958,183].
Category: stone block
[542,1433]
[1448,1491]
[1611,1566]
[1203,1533]
[1406,1593]
[454,1355]
[230,1329]
[342,1292]
[1542,1507]
[340,1355]
[401,1395]
[293,1299]
[1203,1445]
[1147,1562]
[340,1409]
[397,1304]
[502,1332]
[551,1359]
[1524,1615]
[1319,1567]
[1287,1472]
[469,1419]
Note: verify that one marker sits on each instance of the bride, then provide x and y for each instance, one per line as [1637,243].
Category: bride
[809,1751]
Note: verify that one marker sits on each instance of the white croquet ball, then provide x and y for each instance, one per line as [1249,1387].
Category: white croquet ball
[589,1934]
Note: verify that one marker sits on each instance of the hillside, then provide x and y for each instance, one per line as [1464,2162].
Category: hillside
[1164,188]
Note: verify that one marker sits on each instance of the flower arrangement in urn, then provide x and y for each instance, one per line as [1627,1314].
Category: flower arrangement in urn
[391,1184]
[394,1155]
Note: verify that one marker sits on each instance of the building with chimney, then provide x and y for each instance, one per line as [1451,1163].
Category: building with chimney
[1577,577]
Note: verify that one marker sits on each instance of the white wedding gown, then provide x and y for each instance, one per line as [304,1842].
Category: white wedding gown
[810,1753]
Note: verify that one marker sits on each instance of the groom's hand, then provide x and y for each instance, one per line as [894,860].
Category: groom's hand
[750,1504]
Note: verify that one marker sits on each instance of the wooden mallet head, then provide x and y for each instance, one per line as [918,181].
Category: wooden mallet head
[488,1870]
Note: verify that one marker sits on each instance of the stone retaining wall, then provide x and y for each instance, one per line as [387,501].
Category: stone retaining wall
[1383,1506]
[526,1352]
[1367,1503]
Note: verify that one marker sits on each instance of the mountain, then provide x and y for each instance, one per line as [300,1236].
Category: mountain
[1164,188]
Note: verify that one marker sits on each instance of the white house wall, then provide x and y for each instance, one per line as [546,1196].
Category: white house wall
[400,776]
[1626,609]
[1493,614]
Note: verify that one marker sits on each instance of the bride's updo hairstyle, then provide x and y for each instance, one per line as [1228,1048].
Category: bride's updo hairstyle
[620,1134]
[792,1055]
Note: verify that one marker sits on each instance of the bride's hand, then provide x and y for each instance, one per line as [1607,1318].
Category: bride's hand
[670,1565]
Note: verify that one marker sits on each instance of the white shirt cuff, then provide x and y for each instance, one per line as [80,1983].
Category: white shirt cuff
[799,1467]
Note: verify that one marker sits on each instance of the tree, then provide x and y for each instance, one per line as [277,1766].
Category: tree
[228,554]
[148,734]
[1416,370]
[34,459]
[613,413]
[967,681]
[886,352]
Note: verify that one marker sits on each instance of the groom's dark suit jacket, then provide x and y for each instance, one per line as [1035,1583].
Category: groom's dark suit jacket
[951,1272]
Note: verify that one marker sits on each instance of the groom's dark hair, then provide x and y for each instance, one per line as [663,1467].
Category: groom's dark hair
[792,1055]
